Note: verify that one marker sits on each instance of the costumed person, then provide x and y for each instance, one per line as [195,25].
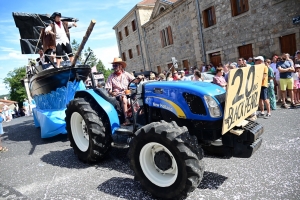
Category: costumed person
[41,59]
[62,36]
[26,107]
[117,84]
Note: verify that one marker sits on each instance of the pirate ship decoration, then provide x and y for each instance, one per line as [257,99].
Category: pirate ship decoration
[50,86]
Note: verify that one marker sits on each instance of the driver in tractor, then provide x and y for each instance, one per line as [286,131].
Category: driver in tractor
[117,84]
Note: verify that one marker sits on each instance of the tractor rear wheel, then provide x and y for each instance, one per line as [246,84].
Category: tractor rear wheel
[87,130]
[166,160]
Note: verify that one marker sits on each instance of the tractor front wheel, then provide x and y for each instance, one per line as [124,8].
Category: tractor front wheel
[166,160]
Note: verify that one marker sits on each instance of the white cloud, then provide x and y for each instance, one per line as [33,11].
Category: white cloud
[91,5]
[7,53]
[107,54]
[3,89]
[7,21]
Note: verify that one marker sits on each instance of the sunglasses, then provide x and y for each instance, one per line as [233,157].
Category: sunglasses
[115,65]
[240,60]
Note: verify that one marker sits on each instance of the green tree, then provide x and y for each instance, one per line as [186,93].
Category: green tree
[13,83]
[92,61]
[101,68]
[75,47]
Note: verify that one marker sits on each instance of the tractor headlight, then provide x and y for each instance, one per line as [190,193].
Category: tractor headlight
[212,105]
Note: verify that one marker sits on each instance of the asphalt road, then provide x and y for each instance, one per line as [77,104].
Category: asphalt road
[36,168]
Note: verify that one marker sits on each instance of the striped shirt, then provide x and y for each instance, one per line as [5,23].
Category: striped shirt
[119,83]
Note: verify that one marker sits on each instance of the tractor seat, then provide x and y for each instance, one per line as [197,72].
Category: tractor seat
[103,93]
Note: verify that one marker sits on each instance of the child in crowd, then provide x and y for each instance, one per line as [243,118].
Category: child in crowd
[296,76]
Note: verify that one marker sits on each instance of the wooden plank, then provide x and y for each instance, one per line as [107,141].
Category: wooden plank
[237,132]
[85,38]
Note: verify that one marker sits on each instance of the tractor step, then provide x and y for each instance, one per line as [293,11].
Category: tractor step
[124,130]
[120,145]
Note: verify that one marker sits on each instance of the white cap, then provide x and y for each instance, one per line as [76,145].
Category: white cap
[181,71]
[259,58]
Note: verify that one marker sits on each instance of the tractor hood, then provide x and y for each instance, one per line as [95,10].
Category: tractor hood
[185,99]
[197,88]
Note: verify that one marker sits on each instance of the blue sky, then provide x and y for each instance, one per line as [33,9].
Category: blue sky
[102,40]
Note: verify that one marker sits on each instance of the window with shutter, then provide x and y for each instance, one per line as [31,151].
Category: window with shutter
[126,31]
[123,56]
[170,37]
[130,54]
[138,50]
[166,36]
[239,6]
[209,17]
[120,36]
[162,39]
[133,24]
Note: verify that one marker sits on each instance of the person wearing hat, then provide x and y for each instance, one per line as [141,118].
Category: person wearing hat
[183,77]
[61,32]
[117,83]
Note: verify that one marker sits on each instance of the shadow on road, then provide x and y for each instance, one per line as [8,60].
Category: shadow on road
[127,188]
[64,158]
[26,131]
[212,181]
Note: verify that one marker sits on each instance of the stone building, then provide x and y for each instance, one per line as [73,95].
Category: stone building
[201,31]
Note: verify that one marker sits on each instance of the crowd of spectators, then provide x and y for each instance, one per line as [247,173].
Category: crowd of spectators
[280,82]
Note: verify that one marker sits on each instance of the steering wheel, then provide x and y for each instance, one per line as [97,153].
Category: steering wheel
[136,81]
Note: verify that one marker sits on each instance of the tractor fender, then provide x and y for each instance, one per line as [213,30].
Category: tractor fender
[105,105]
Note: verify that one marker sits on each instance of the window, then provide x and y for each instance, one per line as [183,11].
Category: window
[123,56]
[130,53]
[133,25]
[166,36]
[239,7]
[126,31]
[138,50]
[246,51]
[120,36]
[209,17]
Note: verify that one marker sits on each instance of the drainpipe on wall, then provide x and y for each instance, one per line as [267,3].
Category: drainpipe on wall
[147,52]
[141,49]
[200,30]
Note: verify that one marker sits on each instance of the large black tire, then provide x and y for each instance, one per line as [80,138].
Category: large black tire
[150,162]
[88,130]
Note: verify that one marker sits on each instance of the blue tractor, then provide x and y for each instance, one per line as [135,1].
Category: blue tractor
[172,125]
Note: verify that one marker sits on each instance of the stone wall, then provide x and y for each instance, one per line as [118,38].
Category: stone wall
[261,26]
[183,48]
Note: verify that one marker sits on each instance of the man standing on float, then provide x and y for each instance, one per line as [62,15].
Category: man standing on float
[62,36]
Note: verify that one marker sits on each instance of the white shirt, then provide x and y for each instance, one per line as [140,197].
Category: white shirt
[275,70]
[295,76]
[42,60]
[61,36]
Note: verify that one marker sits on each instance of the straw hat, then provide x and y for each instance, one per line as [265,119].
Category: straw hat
[120,61]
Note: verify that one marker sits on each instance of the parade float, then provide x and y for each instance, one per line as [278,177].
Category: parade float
[50,87]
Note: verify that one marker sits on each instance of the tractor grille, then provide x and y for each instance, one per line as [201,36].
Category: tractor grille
[195,103]
[221,98]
